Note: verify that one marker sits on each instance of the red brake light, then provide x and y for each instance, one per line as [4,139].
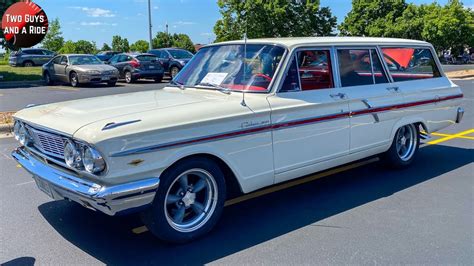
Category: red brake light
[135,63]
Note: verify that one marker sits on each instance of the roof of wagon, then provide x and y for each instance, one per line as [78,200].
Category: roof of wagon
[297,41]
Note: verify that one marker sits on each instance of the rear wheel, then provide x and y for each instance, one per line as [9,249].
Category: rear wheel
[128,77]
[28,64]
[74,79]
[173,72]
[189,201]
[404,147]
[158,79]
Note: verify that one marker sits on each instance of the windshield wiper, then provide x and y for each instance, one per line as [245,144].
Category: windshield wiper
[215,86]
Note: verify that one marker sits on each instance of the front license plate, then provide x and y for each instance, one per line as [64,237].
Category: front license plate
[151,67]
[43,186]
[106,78]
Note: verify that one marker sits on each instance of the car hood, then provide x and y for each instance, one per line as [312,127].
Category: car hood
[68,117]
[103,67]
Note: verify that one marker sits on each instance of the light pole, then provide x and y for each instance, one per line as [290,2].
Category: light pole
[149,23]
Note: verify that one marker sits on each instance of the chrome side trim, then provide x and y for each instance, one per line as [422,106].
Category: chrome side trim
[109,199]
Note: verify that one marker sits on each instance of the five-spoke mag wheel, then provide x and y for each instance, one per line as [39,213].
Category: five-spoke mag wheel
[404,147]
[191,200]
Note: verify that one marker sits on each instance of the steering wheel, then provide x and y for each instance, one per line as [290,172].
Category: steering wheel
[261,75]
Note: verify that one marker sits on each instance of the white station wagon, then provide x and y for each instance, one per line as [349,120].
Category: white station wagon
[240,116]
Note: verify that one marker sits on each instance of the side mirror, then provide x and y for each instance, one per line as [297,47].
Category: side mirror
[63,63]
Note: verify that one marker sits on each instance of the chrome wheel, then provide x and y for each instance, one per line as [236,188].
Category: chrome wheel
[74,80]
[191,200]
[406,139]
[128,76]
[174,72]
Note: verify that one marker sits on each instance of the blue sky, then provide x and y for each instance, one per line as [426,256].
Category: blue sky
[99,20]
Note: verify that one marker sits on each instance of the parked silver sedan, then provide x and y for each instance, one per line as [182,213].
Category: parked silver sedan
[79,69]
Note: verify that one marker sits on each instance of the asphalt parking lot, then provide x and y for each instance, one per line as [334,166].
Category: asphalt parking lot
[365,215]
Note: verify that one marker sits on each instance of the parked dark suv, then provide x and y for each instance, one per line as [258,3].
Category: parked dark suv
[106,55]
[30,57]
[172,59]
[135,66]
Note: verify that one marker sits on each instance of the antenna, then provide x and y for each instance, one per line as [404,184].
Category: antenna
[243,103]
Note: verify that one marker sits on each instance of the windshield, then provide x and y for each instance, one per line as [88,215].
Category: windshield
[231,67]
[180,54]
[84,60]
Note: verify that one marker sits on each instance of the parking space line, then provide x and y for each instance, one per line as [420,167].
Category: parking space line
[458,135]
[449,135]
[143,229]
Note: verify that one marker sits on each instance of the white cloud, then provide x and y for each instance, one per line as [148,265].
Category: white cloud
[207,34]
[155,7]
[95,12]
[96,23]
[181,23]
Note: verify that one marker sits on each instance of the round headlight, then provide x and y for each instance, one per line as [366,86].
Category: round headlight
[23,136]
[92,160]
[16,130]
[72,156]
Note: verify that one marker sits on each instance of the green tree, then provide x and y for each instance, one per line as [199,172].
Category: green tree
[162,40]
[69,47]
[120,44]
[105,47]
[278,18]
[371,17]
[79,47]
[178,40]
[140,46]
[53,40]
[183,41]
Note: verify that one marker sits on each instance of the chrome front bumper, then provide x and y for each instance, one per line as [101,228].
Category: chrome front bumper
[107,199]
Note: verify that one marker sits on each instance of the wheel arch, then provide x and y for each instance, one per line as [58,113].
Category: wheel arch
[233,186]
[417,121]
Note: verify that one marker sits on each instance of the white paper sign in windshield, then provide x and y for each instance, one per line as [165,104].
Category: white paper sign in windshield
[214,78]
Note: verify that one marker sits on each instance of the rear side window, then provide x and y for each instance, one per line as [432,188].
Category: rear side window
[315,69]
[360,67]
[410,63]
[147,58]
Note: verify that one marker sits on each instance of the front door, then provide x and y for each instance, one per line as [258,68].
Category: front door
[310,117]
[374,101]
[60,69]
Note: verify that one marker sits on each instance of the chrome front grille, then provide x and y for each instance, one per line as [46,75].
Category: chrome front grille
[47,143]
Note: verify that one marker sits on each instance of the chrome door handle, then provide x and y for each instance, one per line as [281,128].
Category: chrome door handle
[338,95]
[394,89]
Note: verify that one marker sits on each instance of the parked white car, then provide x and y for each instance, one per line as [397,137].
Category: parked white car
[179,153]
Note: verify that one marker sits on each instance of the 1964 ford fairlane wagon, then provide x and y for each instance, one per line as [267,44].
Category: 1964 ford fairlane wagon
[240,115]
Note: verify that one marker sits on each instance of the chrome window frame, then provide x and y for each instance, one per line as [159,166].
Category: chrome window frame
[363,47]
[294,54]
[428,47]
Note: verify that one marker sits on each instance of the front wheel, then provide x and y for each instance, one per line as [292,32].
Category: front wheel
[47,78]
[189,201]
[404,147]
[74,79]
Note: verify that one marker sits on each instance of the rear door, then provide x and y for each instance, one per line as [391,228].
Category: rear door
[164,58]
[415,71]
[310,117]
[372,98]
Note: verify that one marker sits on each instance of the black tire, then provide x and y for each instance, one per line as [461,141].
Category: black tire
[74,79]
[111,83]
[395,157]
[129,77]
[158,79]
[158,217]
[174,71]
[28,64]
[47,78]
